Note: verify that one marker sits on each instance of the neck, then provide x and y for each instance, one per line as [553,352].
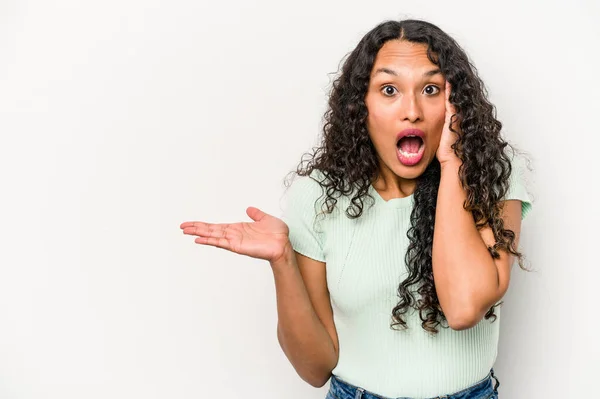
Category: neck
[390,185]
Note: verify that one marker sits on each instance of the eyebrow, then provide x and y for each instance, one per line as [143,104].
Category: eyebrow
[392,72]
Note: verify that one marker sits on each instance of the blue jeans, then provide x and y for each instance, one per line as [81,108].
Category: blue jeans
[483,389]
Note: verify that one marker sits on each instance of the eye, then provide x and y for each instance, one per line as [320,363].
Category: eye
[388,90]
[435,88]
[430,90]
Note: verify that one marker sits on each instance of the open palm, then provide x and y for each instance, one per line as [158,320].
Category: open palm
[265,238]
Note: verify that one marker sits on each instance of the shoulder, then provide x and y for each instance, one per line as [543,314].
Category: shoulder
[312,182]
[306,188]
[304,195]
[316,195]
[520,181]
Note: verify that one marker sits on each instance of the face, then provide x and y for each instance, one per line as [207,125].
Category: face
[405,92]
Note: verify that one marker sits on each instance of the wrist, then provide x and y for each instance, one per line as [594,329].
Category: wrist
[453,164]
[286,259]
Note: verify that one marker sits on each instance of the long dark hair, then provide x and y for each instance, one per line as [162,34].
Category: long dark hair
[348,159]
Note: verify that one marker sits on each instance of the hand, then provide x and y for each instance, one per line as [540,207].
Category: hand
[445,153]
[265,238]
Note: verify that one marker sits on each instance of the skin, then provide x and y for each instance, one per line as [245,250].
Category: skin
[400,96]
[467,280]
[412,101]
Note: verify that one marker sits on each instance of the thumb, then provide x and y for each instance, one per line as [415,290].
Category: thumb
[255,213]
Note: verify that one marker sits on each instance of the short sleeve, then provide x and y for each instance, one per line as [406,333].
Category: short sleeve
[517,189]
[301,204]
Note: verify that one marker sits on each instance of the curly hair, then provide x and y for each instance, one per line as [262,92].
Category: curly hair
[348,159]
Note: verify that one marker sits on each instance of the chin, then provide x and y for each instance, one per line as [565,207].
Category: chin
[408,172]
[412,173]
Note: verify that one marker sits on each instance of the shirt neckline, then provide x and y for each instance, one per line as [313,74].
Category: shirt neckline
[402,202]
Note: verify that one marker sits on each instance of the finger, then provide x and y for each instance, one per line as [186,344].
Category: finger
[190,227]
[255,213]
[449,106]
[218,242]
[216,235]
[186,224]
[207,229]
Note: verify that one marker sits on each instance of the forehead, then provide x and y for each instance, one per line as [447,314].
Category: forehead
[403,54]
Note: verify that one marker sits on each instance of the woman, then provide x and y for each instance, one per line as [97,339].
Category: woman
[397,241]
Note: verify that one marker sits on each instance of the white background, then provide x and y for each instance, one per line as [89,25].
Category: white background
[121,119]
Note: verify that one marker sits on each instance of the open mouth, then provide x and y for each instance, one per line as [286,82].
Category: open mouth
[410,146]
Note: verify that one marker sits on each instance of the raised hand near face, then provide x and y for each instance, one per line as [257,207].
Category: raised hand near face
[445,153]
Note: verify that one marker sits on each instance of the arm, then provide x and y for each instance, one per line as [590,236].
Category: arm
[468,280]
[305,328]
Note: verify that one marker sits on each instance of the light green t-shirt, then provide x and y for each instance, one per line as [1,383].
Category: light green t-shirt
[365,263]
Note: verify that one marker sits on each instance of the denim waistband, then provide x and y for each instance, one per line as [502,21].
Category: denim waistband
[341,389]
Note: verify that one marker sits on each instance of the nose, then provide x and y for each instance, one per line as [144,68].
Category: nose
[410,109]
